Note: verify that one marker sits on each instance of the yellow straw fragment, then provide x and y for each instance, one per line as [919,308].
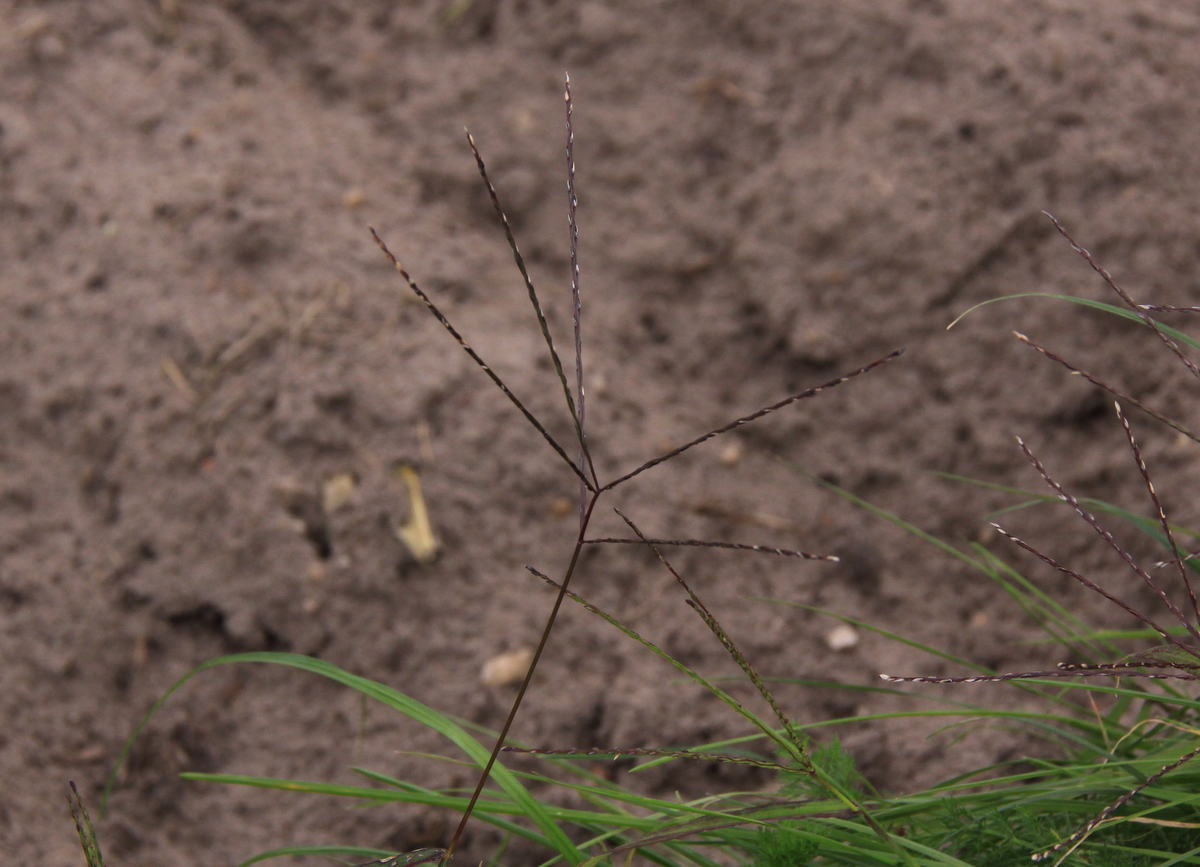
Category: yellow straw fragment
[417,534]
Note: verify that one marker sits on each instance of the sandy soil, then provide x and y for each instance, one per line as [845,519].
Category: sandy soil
[198,335]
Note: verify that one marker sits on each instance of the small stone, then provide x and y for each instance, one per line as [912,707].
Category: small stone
[505,669]
[561,507]
[842,637]
[731,454]
[354,198]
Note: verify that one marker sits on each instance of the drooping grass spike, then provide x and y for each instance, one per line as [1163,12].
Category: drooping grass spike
[1091,585]
[1108,537]
[83,826]
[1101,384]
[1158,509]
[1133,305]
[729,700]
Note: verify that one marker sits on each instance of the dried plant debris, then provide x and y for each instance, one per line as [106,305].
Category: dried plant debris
[337,492]
[417,535]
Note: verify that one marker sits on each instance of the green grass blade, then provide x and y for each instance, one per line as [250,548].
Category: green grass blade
[490,812]
[397,701]
[356,852]
[1122,312]
[889,517]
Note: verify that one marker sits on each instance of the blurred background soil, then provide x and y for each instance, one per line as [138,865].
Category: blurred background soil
[209,374]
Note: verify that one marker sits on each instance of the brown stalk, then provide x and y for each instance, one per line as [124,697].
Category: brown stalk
[537,655]
[586,505]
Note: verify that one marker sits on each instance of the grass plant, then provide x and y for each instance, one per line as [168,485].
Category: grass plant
[1121,791]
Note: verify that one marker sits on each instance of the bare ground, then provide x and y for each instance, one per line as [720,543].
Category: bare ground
[198,334]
